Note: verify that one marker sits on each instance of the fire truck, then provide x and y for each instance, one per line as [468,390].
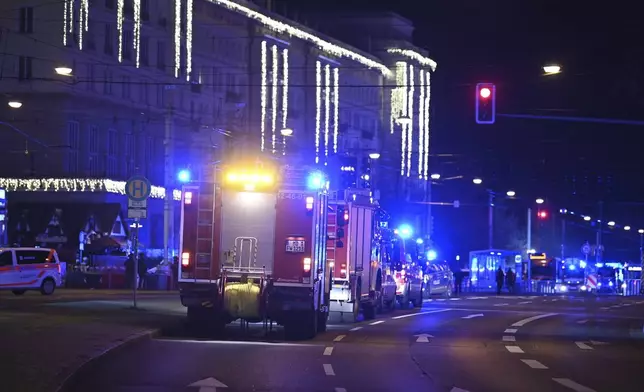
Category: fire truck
[253,249]
[354,251]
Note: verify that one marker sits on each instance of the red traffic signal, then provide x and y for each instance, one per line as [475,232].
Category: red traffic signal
[542,214]
[485,103]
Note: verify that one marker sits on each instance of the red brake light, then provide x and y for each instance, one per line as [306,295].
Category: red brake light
[185,259]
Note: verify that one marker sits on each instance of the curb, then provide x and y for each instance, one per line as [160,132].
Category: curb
[62,381]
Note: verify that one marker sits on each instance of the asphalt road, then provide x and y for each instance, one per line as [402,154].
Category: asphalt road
[476,344]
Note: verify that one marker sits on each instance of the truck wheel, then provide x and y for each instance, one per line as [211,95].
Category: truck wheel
[304,326]
[323,318]
[48,287]
[404,301]
[418,302]
[369,311]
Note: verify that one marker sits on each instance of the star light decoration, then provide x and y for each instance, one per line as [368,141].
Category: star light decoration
[76,185]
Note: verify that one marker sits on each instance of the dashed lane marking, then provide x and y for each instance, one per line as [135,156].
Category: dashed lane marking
[582,321]
[509,338]
[455,389]
[428,300]
[566,382]
[328,369]
[534,364]
[515,349]
[583,346]
[503,304]
[454,299]
[510,330]
[605,307]
[355,329]
[420,313]
[523,322]
[377,322]
[328,351]
[338,338]
[525,302]
[340,390]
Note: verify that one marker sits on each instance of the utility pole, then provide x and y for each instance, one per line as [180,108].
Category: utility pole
[598,250]
[490,220]
[529,247]
[168,205]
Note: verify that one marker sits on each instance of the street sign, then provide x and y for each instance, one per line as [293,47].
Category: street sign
[585,249]
[138,188]
[137,213]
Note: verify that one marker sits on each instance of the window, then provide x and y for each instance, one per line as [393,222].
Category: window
[26,20]
[125,87]
[33,256]
[129,145]
[161,55]
[90,77]
[73,141]
[127,48]
[144,51]
[145,93]
[160,96]
[94,141]
[109,4]
[6,258]
[107,83]
[108,47]
[25,70]
[111,167]
[145,10]
[112,141]
[94,166]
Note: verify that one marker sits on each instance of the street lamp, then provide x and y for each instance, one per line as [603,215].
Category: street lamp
[611,223]
[627,228]
[587,218]
[477,181]
[64,71]
[435,176]
[641,231]
[15,104]
[540,201]
[374,155]
[287,132]
[511,193]
[552,69]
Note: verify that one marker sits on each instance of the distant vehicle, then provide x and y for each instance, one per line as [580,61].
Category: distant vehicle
[408,275]
[573,275]
[23,269]
[438,279]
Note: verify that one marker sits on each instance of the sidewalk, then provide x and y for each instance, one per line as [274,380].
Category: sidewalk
[42,346]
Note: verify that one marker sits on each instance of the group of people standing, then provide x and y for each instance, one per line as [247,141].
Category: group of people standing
[509,278]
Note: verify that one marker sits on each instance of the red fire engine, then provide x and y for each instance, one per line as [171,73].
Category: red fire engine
[253,248]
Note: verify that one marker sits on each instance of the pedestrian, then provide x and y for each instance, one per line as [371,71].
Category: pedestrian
[143,270]
[130,276]
[510,280]
[458,281]
[500,278]
[175,272]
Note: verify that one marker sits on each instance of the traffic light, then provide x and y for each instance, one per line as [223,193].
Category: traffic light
[542,214]
[485,103]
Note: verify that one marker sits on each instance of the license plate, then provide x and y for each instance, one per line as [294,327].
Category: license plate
[295,246]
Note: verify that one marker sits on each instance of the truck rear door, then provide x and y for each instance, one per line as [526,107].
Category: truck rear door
[359,238]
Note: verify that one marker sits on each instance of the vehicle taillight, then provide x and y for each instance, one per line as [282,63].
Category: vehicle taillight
[60,271]
[185,259]
[187,198]
[306,265]
[309,204]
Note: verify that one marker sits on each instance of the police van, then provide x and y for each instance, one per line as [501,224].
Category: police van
[23,269]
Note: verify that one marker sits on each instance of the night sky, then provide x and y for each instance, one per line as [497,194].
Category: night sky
[571,164]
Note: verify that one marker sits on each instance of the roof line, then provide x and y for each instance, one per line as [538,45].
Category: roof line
[291,30]
[424,60]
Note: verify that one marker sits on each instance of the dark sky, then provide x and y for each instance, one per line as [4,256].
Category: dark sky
[600,47]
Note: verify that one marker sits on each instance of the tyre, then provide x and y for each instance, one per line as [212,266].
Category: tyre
[48,287]
[302,326]
[418,302]
[323,318]
[18,292]
[449,291]
[404,301]
[369,311]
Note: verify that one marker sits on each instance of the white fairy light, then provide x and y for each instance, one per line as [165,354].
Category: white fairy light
[423,60]
[397,93]
[410,111]
[65,22]
[274,97]
[421,123]
[318,108]
[137,32]
[336,107]
[327,109]
[403,112]
[285,28]
[262,125]
[427,119]
[284,96]
[119,27]
[403,140]
[81,26]
[70,9]
[85,9]
[177,37]
[188,39]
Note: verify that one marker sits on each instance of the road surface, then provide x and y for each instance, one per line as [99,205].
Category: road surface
[476,344]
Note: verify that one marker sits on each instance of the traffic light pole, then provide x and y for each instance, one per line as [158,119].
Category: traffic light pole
[529,246]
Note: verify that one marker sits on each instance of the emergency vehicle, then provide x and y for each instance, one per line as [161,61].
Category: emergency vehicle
[407,274]
[253,247]
[354,252]
[573,275]
[23,269]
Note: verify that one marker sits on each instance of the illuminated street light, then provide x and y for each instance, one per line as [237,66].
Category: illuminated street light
[64,71]
[419,241]
[627,228]
[286,132]
[477,181]
[641,231]
[511,193]
[435,176]
[611,223]
[552,69]
[540,201]
[374,155]
[586,218]
[15,104]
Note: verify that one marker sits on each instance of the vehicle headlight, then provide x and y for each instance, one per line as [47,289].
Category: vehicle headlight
[563,288]
[583,288]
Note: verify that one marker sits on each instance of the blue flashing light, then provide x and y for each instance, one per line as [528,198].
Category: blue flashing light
[184,175]
[431,255]
[315,181]
[419,241]
[405,232]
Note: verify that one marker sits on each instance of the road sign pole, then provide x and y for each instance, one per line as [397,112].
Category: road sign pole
[136,261]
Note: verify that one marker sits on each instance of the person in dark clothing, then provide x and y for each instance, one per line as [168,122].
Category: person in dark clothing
[175,271]
[143,270]
[458,281]
[129,272]
[510,280]
[500,278]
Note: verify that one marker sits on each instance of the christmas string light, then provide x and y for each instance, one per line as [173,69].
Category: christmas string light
[421,123]
[76,185]
[397,93]
[81,27]
[71,16]
[137,32]
[274,96]
[284,96]
[318,108]
[403,140]
[119,27]
[410,111]
[336,107]
[262,124]
[85,7]
[65,22]
[177,37]
[327,111]
[424,61]
[285,28]
[427,119]
[404,101]
[188,39]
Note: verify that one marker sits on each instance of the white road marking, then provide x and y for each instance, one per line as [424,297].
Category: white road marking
[525,302]
[534,364]
[423,338]
[420,313]
[478,298]
[454,299]
[355,329]
[582,321]
[236,343]
[509,338]
[554,300]
[377,322]
[340,390]
[428,300]
[639,302]
[566,382]
[455,389]
[503,304]
[523,322]
[514,349]
[510,330]
[328,369]
[328,351]
[605,308]
[583,346]
[441,299]
[471,316]
[339,337]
